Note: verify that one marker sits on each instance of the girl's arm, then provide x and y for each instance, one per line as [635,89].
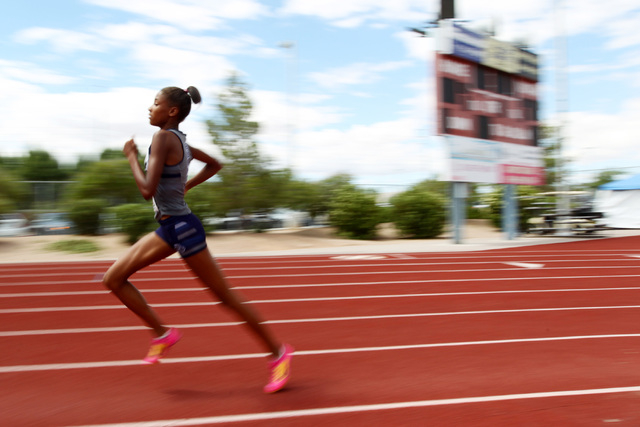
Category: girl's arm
[212,167]
[147,183]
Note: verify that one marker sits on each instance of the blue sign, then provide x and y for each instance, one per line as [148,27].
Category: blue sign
[467,44]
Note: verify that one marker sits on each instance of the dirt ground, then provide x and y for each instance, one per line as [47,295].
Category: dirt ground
[34,248]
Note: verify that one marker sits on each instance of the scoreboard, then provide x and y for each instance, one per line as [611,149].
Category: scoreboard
[487,108]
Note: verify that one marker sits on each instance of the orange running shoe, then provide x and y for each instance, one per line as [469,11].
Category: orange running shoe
[280,369]
[160,346]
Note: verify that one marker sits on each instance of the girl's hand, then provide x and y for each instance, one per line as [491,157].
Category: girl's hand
[130,148]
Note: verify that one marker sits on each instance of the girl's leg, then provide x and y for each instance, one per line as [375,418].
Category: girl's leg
[144,252]
[206,268]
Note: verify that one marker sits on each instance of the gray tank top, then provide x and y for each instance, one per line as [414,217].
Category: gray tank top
[169,196]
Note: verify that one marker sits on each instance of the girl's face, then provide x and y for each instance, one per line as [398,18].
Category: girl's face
[160,112]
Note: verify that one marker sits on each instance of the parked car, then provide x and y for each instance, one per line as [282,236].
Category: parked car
[14,224]
[52,223]
[263,221]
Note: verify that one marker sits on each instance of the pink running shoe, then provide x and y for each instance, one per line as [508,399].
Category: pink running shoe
[160,346]
[280,369]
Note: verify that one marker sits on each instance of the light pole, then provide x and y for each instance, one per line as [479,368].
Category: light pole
[292,101]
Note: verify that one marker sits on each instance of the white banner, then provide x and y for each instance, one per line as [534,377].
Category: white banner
[492,162]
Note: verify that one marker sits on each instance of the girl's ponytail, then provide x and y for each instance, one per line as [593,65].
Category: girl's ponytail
[194,93]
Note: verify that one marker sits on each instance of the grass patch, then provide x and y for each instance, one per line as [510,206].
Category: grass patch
[75,246]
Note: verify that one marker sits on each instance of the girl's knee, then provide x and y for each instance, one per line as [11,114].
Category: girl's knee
[111,282]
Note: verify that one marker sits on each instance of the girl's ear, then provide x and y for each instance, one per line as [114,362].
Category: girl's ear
[173,111]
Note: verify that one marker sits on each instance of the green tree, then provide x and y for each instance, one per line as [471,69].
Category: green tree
[554,163]
[112,154]
[267,189]
[233,133]
[604,177]
[205,200]
[13,194]
[435,186]
[328,189]
[41,166]
[304,196]
[12,165]
[109,180]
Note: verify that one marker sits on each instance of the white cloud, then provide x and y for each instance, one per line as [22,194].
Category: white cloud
[72,124]
[420,48]
[189,14]
[283,121]
[355,74]
[598,140]
[623,31]
[62,41]
[77,124]
[134,32]
[31,73]
[353,13]
[541,21]
[175,66]
[377,149]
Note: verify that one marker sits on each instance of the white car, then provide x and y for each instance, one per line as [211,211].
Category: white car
[12,225]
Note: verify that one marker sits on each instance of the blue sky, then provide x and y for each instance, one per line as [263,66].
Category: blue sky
[354,94]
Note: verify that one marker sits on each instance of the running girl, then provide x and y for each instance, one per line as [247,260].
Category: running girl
[165,181]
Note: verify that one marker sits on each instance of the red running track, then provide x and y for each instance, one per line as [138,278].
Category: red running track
[538,335]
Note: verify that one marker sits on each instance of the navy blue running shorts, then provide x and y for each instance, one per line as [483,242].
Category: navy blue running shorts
[184,233]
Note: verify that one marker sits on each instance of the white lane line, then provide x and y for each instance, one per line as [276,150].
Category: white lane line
[386,282]
[118,363]
[118,329]
[433,294]
[402,256]
[344,273]
[427,272]
[343,258]
[262,416]
[525,264]
[292,260]
[310,320]
[97,307]
[104,292]
[296,300]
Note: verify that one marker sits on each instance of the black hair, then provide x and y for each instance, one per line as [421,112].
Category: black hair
[182,98]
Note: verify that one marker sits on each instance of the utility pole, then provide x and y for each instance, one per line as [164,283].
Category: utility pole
[459,190]
[563,204]
[447,9]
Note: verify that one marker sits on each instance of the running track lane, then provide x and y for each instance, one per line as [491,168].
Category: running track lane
[418,339]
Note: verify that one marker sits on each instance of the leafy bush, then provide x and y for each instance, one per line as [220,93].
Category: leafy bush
[354,213]
[85,214]
[419,214]
[135,220]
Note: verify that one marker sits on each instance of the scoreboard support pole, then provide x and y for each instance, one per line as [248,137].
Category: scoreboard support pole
[510,212]
[458,209]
